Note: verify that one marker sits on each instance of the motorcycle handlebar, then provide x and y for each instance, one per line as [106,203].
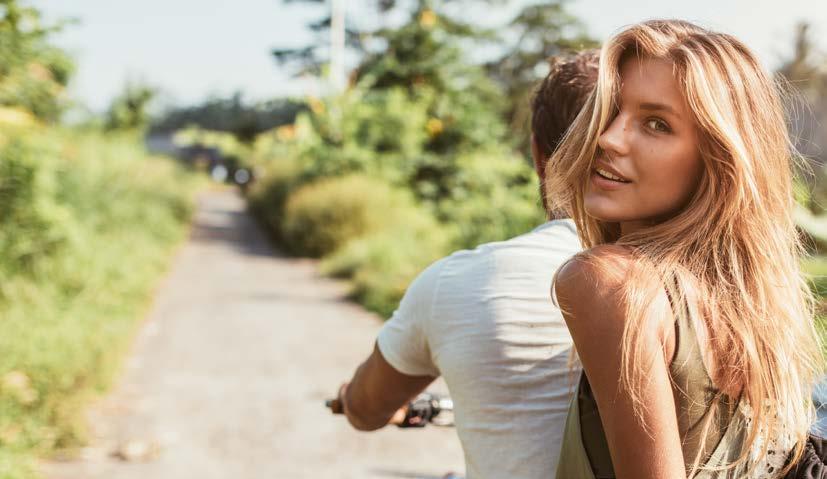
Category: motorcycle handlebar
[426,408]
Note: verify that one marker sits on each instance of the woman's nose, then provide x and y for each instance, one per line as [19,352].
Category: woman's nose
[614,138]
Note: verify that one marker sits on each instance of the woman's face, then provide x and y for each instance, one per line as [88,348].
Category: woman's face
[648,164]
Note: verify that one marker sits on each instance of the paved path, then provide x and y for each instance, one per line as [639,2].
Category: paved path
[230,370]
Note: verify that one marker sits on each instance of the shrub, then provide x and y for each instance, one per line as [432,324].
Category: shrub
[33,224]
[68,313]
[322,216]
[382,265]
[493,196]
[268,194]
[380,133]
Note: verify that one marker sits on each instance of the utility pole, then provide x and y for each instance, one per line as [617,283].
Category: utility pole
[337,45]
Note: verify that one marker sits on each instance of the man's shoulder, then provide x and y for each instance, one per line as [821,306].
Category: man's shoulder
[551,242]
[551,235]
[547,246]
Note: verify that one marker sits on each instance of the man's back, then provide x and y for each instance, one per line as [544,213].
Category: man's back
[484,320]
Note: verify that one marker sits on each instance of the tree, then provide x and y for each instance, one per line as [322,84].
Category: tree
[425,58]
[538,32]
[456,107]
[426,50]
[129,110]
[311,59]
[33,73]
[522,47]
[417,103]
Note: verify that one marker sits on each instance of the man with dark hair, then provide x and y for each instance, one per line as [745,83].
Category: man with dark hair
[556,102]
[484,320]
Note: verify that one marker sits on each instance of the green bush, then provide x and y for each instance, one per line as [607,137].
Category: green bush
[493,196]
[33,224]
[33,72]
[72,297]
[15,465]
[322,216]
[380,133]
[268,194]
[382,265]
[317,199]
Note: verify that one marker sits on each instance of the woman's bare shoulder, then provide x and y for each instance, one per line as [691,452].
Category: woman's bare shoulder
[594,288]
[601,269]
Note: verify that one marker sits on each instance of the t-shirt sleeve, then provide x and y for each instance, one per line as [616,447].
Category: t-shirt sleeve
[403,339]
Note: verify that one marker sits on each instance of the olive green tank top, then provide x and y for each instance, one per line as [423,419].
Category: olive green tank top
[701,413]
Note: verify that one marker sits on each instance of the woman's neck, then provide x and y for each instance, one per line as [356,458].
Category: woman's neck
[628,227]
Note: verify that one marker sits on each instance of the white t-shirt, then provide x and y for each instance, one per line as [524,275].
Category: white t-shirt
[485,321]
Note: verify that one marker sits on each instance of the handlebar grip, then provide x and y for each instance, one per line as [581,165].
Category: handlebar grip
[335,406]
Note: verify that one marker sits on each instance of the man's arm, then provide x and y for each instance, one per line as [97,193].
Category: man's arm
[401,365]
[377,391]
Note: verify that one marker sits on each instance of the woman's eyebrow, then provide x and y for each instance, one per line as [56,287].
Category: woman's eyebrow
[659,107]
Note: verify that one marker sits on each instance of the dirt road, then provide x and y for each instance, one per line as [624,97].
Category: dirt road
[230,370]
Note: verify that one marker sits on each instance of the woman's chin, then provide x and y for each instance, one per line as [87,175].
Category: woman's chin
[601,210]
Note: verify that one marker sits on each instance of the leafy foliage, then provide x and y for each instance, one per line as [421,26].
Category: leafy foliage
[33,73]
[382,265]
[538,32]
[494,196]
[268,195]
[420,118]
[35,225]
[311,58]
[129,110]
[321,217]
[88,225]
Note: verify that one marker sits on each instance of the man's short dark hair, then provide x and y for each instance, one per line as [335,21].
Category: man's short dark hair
[560,96]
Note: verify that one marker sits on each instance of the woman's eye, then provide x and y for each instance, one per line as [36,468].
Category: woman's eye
[657,125]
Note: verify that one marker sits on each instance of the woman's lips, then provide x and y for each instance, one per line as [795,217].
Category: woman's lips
[610,175]
[605,182]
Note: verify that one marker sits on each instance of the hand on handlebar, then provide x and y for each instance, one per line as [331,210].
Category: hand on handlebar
[398,418]
[337,406]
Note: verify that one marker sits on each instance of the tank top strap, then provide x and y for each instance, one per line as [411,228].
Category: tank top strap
[687,364]
[707,420]
[687,347]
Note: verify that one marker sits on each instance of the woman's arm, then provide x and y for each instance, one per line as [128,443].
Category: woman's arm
[594,308]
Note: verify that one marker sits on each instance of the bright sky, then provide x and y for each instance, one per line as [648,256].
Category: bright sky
[194,48]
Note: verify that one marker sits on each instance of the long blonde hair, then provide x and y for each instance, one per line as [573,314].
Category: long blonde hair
[734,244]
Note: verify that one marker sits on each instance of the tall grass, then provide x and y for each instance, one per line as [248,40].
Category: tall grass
[88,226]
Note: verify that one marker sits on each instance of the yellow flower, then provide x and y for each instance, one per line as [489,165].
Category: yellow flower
[10,434]
[39,72]
[316,105]
[286,132]
[20,387]
[427,18]
[434,126]
[16,116]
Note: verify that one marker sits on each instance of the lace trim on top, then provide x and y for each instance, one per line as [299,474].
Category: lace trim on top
[770,465]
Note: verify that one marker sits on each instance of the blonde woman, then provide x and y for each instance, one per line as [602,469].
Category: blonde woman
[688,310]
